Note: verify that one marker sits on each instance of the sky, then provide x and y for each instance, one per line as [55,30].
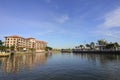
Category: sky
[61,23]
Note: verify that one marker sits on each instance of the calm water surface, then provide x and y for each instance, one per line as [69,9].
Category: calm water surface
[60,66]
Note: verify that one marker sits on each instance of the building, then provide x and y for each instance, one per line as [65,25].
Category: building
[21,43]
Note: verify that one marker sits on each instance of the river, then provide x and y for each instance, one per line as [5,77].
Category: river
[60,66]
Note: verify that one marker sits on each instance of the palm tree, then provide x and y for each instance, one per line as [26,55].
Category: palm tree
[110,46]
[102,42]
[81,46]
[87,45]
[77,47]
[92,45]
[116,45]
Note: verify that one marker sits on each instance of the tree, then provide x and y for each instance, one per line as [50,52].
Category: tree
[48,48]
[7,48]
[2,48]
[110,46]
[76,47]
[92,45]
[12,48]
[81,46]
[116,45]
[102,42]
[1,43]
[87,45]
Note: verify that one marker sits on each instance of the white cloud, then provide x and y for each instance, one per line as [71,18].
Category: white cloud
[112,19]
[62,19]
[111,25]
[108,33]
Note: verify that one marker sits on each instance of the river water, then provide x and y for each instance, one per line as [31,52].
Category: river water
[60,66]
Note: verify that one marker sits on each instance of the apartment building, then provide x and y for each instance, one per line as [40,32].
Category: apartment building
[24,43]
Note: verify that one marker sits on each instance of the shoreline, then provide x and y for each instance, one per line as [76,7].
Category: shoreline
[97,52]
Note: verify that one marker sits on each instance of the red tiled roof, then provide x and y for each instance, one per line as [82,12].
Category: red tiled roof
[29,38]
[41,41]
[14,36]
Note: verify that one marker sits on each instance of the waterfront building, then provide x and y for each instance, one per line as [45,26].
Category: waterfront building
[24,43]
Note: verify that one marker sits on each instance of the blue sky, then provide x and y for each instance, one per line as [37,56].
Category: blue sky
[62,23]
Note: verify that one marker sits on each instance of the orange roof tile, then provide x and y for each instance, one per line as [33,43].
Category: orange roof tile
[14,36]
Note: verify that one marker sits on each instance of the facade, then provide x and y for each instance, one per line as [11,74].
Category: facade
[24,43]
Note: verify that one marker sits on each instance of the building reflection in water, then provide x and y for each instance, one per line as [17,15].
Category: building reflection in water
[22,61]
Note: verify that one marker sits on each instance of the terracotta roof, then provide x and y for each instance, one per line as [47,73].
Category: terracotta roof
[41,41]
[29,38]
[14,36]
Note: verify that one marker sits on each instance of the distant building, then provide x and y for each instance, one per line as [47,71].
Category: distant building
[100,47]
[24,43]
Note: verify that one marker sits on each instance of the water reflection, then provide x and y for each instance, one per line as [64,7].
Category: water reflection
[102,58]
[22,61]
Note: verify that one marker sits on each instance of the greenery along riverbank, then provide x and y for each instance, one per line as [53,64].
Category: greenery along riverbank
[100,45]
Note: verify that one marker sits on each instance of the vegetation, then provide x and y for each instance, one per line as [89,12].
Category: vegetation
[48,48]
[92,45]
[12,48]
[81,46]
[102,43]
[112,46]
[32,49]
[87,45]
[2,47]
[5,48]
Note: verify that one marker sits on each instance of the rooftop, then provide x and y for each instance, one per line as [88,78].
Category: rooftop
[14,36]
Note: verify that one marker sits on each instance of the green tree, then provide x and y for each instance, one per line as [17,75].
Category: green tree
[7,48]
[102,42]
[87,45]
[1,43]
[2,48]
[12,48]
[110,46]
[116,45]
[48,48]
[81,46]
[92,45]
